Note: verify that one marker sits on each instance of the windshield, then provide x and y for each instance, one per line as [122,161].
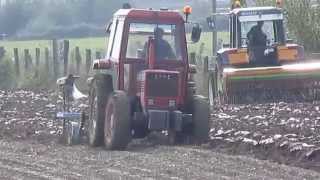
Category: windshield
[168,44]
[267,29]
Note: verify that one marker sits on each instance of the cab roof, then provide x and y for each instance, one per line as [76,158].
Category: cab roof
[256,10]
[149,15]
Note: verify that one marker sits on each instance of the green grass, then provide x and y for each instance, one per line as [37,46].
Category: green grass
[83,43]
[206,38]
[98,43]
[93,43]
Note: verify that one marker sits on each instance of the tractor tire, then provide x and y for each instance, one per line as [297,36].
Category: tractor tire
[200,114]
[117,126]
[99,92]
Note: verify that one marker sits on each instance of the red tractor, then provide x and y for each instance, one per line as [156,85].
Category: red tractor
[143,84]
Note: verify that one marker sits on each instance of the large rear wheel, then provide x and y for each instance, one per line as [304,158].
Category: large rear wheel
[117,127]
[99,91]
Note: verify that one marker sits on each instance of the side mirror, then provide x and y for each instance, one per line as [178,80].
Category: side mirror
[196,33]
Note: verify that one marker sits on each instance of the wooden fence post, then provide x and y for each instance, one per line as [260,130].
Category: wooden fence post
[78,59]
[37,62]
[55,59]
[2,52]
[98,55]
[46,57]
[192,58]
[65,57]
[205,77]
[199,56]
[26,60]
[202,77]
[16,61]
[88,60]
[205,64]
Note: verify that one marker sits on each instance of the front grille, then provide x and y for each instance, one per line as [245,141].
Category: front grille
[162,85]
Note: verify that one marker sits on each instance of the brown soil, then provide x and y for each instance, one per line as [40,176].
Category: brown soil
[30,148]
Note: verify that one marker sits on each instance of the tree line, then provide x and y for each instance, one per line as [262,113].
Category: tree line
[302,21]
[39,18]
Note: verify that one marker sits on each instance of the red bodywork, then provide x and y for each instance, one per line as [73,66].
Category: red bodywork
[159,102]
[128,69]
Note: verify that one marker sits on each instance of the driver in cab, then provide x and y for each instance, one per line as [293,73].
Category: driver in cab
[256,36]
[257,44]
[163,48]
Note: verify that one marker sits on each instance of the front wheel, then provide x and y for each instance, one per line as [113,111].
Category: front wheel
[117,126]
[101,88]
[201,115]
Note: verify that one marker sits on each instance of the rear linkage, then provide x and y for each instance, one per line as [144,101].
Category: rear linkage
[73,122]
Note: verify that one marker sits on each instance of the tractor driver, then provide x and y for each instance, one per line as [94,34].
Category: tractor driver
[163,48]
[256,36]
[257,42]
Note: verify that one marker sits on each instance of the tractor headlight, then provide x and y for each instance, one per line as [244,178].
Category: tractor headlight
[150,102]
[172,103]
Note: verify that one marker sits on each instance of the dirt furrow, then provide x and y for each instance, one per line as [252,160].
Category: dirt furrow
[29,146]
[156,162]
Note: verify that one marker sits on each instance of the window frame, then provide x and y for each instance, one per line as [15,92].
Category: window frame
[173,46]
[241,29]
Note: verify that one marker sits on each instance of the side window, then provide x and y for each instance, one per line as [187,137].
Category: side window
[234,31]
[116,47]
[136,41]
[245,29]
[111,38]
[279,33]
[268,29]
[169,40]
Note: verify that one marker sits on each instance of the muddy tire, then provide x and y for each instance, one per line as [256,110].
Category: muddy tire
[117,127]
[99,91]
[201,113]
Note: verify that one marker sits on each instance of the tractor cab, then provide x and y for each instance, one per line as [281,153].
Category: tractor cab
[143,40]
[260,65]
[165,39]
[257,39]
